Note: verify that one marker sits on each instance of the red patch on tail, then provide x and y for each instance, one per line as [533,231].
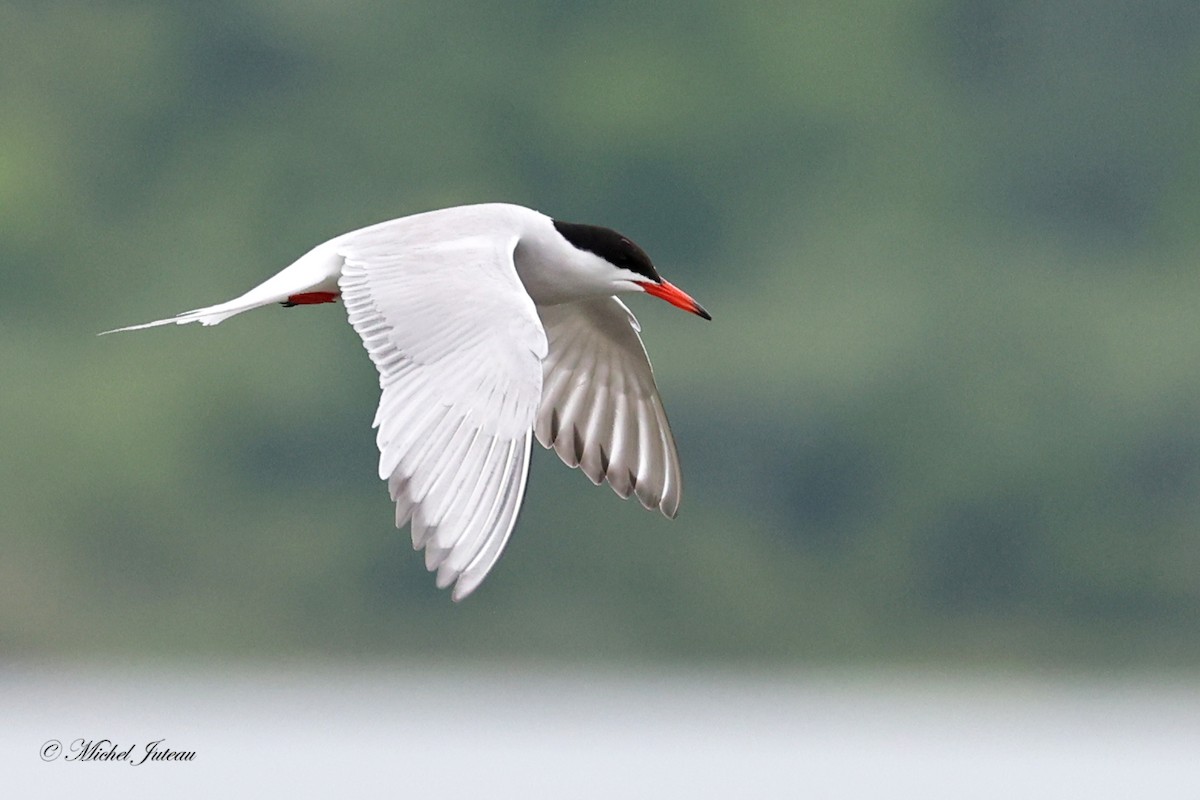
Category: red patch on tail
[311,298]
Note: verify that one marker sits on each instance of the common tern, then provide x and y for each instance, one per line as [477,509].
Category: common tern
[491,324]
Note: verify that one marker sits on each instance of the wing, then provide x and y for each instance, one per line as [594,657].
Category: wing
[600,409]
[458,345]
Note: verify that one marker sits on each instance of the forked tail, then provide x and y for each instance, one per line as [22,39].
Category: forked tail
[205,316]
[315,273]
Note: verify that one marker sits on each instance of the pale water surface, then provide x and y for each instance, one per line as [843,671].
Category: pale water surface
[516,732]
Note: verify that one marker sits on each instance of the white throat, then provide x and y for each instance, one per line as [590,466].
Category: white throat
[555,271]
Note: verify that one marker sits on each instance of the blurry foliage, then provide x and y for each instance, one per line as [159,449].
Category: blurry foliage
[947,409]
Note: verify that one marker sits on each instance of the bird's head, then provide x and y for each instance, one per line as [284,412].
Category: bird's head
[625,265]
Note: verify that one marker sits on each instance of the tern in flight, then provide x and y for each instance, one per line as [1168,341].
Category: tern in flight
[489,325]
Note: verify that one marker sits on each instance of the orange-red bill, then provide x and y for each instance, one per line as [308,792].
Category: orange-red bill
[675,296]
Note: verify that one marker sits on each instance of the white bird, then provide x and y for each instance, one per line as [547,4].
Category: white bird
[490,324]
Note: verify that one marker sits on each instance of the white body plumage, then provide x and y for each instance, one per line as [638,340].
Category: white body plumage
[491,324]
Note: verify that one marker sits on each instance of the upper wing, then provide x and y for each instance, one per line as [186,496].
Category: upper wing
[458,345]
[600,408]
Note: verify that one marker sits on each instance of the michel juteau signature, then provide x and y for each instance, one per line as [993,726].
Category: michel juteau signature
[108,750]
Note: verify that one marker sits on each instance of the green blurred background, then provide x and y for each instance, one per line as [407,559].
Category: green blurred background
[946,411]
